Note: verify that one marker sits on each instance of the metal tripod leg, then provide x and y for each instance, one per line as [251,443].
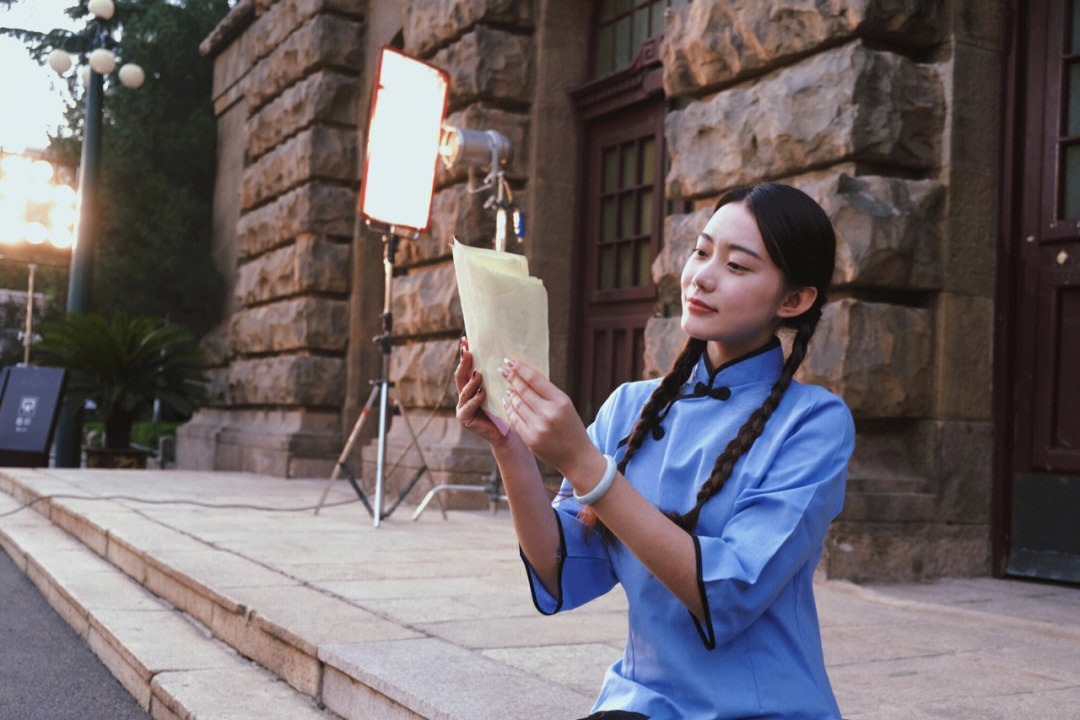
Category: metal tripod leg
[491,488]
[348,449]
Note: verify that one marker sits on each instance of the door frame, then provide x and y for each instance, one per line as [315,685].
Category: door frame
[638,83]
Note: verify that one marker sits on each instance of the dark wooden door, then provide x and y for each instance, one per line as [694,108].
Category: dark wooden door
[623,208]
[1044,472]
[621,109]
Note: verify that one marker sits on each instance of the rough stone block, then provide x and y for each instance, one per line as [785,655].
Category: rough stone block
[308,380]
[888,230]
[323,42]
[515,126]
[324,96]
[313,323]
[426,301]
[664,338]
[319,152]
[488,64]
[308,265]
[313,208]
[709,42]
[851,103]
[876,356]
[430,24]
[423,373]
[281,18]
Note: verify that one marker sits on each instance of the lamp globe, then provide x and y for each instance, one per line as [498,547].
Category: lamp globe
[60,61]
[102,9]
[131,75]
[102,61]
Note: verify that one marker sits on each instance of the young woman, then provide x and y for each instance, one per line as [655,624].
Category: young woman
[707,492]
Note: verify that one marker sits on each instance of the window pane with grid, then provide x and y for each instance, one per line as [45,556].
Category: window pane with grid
[622,27]
[627,214]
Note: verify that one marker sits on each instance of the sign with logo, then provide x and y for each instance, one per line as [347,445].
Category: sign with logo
[29,406]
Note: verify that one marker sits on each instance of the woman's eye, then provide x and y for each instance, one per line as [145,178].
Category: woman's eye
[736,267]
[697,252]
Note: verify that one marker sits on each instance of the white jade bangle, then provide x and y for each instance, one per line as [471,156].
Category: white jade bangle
[601,487]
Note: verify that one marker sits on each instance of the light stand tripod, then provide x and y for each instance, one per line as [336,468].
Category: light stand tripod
[381,389]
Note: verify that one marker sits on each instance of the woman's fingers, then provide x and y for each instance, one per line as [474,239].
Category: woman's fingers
[473,386]
[528,415]
[464,367]
[531,377]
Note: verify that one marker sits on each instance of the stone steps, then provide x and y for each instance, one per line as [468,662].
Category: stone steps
[314,654]
[166,659]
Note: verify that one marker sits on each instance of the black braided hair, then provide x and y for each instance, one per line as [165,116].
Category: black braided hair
[801,242]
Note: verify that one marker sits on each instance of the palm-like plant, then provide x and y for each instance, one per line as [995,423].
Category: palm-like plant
[122,365]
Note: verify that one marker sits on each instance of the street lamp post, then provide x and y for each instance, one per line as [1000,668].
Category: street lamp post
[101,63]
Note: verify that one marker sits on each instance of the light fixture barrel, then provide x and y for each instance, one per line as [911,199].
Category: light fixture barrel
[131,75]
[463,147]
[102,61]
[60,61]
[102,9]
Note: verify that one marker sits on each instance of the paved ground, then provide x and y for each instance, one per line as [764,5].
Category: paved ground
[389,602]
[46,670]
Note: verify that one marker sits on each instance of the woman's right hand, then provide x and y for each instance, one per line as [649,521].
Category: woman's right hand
[471,394]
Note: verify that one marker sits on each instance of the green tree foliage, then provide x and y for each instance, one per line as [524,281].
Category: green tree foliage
[158,157]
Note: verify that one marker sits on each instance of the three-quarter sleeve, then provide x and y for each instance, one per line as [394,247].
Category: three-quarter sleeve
[585,569]
[776,525]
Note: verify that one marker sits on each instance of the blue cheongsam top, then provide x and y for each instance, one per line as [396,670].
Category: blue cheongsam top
[758,652]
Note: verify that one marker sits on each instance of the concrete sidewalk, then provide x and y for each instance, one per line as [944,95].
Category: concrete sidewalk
[433,619]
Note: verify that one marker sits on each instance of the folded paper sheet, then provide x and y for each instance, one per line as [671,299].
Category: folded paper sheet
[506,316]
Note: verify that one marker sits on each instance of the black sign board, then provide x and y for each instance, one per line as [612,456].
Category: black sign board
[29,406]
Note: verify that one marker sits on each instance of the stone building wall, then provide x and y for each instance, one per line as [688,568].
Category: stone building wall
[286,93]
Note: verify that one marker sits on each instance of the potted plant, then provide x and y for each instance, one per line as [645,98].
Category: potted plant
[122,365]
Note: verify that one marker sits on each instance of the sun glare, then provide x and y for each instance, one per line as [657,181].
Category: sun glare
[35,207]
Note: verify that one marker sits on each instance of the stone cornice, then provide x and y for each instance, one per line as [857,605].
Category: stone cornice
[230,26]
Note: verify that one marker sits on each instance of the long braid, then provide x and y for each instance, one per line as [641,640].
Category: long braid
[755,424]
[661,397]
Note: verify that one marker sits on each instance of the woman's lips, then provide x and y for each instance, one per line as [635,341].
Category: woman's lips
[696,306]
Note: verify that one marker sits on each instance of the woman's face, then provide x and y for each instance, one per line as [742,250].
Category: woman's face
[731,289]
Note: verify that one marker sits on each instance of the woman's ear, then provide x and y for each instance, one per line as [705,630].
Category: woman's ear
[797,301]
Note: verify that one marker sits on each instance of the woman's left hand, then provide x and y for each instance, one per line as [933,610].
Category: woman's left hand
[545,419]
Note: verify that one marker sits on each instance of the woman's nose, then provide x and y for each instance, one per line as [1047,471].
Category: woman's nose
[702,281]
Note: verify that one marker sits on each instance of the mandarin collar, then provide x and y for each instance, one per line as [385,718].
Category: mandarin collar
[761,365]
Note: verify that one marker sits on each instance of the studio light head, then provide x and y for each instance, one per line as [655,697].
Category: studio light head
[462,147]
[407,108]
